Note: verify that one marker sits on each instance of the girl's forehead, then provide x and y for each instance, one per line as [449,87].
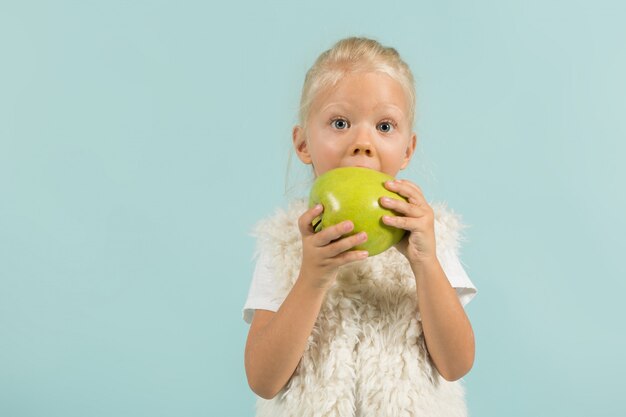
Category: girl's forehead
[367,91]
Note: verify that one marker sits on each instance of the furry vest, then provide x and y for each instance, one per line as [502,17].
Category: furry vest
[366,355]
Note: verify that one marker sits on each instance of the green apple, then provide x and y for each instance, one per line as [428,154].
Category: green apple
[352,193]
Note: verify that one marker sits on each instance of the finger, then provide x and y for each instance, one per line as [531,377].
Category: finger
[342,245]
[350,256]
[306,219]
[402,207]
[408,190]
[332,233]
[406,223]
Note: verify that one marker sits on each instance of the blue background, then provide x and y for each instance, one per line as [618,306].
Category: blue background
[140,142]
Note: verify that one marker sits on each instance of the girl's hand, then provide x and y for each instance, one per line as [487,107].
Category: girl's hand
[325,251]
[418,219]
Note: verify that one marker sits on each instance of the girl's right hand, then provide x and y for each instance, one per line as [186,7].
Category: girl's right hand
[325,251]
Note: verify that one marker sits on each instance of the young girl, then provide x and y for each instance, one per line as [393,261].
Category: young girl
[335,332]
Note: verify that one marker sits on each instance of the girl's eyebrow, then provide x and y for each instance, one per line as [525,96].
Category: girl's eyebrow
[390,107]
[334,104]
[380,107]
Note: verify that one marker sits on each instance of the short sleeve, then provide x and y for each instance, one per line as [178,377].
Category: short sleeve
[451,265]
[263,291]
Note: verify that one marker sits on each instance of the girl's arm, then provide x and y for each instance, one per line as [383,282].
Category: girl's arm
[277,341]
[447,330]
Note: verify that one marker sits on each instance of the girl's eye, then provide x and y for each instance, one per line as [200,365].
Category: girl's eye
[340,124]
[385,127]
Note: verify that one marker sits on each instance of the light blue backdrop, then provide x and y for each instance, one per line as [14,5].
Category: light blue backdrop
[140,142]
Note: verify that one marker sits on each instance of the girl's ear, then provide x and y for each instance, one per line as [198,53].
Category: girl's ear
[300,145]
[409,150]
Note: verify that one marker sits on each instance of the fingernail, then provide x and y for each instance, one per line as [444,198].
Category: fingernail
[347,226]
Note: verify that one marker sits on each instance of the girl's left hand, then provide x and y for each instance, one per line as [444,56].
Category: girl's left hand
[416,217]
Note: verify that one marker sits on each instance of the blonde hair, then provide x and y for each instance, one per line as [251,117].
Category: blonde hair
[351,55]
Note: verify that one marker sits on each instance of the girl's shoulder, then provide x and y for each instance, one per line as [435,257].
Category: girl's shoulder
[281,225]
[449,227]
[282,216]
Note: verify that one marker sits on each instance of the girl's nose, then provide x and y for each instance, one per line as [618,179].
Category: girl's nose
[362,149]
[362,145]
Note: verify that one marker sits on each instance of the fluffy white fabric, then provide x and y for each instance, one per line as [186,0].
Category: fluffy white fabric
[366,355]
[263,293]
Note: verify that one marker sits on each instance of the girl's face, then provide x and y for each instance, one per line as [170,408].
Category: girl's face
[362,121]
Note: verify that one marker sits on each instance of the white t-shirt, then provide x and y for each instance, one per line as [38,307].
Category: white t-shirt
[262,293]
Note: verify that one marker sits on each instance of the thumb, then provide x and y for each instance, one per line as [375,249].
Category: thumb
[305,221]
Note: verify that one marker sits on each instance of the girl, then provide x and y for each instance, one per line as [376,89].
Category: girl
[335,332]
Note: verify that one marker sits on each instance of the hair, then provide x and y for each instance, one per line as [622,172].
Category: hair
[352,55]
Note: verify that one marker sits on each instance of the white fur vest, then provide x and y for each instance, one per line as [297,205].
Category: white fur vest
[366,355]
